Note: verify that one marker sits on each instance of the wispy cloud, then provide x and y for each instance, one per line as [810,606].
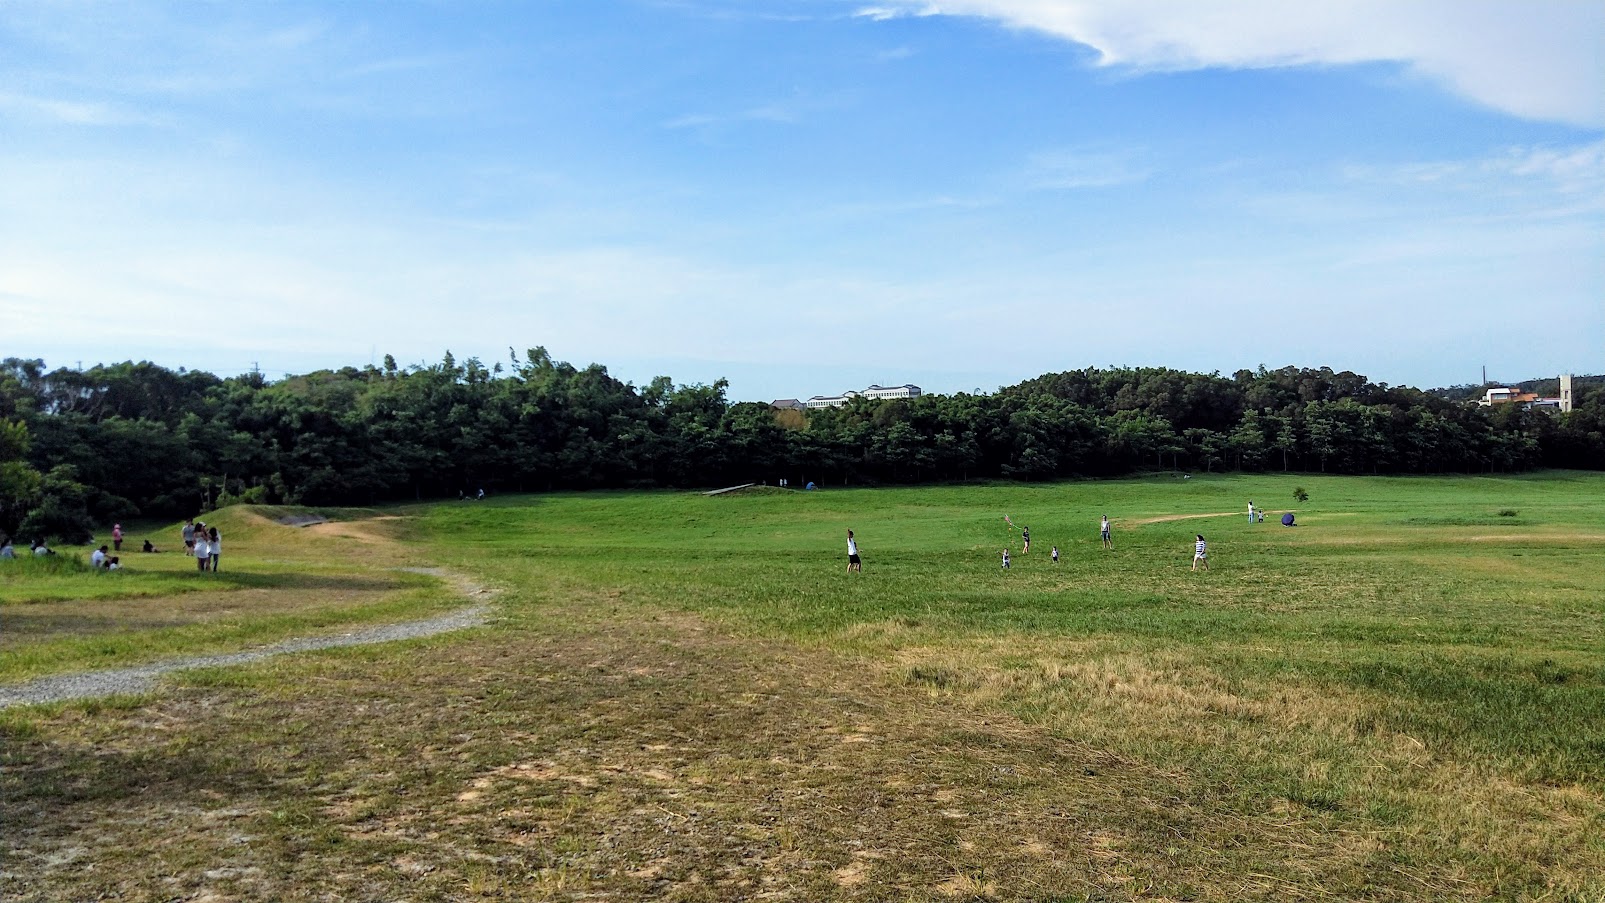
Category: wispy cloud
[74,112]
[1076,169]
[775,112]
[1539,61]
[1576,169]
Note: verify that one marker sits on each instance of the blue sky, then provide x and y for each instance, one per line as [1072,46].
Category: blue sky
[807,197]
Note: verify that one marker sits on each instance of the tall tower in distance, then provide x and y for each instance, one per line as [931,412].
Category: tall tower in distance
[1565,392]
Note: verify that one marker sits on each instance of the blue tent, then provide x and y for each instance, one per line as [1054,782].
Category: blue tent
[1287,519]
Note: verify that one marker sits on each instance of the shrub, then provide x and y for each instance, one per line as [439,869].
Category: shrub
[1299,495]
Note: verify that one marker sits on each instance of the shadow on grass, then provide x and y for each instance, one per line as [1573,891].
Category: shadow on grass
[41,782]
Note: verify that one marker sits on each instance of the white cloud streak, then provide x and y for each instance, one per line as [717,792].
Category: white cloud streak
[1541,61]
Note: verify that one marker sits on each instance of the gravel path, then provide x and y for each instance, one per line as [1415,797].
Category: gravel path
[142,678]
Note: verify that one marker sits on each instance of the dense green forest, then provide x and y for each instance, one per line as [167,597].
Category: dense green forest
[84,447]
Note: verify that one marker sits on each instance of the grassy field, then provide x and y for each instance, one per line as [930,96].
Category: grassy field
[58,614]
[687,698]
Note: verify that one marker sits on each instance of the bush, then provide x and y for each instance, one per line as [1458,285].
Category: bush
[62,513]
[1299,495]
[1507,512]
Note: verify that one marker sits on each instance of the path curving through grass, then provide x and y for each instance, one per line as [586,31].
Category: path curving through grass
[142,678]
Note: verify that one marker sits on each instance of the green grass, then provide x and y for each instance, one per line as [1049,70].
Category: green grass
[58,614]
[1413,589]
[686,697]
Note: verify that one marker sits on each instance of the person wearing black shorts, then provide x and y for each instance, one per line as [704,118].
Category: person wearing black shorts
[853,562]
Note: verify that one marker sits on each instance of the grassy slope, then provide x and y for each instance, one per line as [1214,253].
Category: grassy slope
[57,614]
[1402,616]
[1400,699]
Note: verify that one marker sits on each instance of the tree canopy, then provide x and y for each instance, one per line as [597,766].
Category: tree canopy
[121,440]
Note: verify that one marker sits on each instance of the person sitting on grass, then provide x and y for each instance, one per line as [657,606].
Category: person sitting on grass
[6,551]
[39,548]
[98,557]
[114,563]
[149,547]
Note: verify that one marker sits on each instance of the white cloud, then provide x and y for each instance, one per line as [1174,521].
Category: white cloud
[1073,169]
[1535,60]
[72,112]
[1547,172]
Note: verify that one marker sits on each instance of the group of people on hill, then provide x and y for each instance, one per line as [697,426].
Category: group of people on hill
[204,543]
[855,563]
[1200,546]
[1025,540]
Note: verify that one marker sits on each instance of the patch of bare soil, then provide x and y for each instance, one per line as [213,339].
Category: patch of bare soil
[1167,518]
[369,529]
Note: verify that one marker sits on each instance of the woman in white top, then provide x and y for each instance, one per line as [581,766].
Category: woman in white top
[1200,553]
[203,551]
[214,541]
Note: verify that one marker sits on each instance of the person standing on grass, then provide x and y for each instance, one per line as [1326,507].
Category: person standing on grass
[201,551]
[1025,534]
[1200,553]
[189,536]
[1103,529]
[1250,510]
[116,537]
[1005,559]
[853,561]
[214,543]
[1055,554]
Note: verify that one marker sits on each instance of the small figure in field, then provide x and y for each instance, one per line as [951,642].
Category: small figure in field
[214,544]
[1200,553]
[149,547]
[117,537]
[39,548]
[1055,554]
[853,562]
[481,496]
[1287,519]
[114,563]
[1251,511]
[1025,534]
[202,552]
[1005,559]
[189,536]
[1103,530]
[98,558]
[6,551]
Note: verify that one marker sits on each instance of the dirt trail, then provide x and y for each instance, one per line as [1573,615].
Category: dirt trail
[1167,518]
[142,678]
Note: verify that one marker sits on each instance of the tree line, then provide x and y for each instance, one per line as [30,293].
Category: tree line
[113,442]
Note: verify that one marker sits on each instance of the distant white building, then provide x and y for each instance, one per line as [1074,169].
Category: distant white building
[879,393]
[908,390]
[829,401]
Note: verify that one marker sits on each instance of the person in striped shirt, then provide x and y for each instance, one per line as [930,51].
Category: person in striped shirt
[1200,553]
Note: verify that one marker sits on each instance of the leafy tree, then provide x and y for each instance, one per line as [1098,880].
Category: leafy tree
[62,512]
